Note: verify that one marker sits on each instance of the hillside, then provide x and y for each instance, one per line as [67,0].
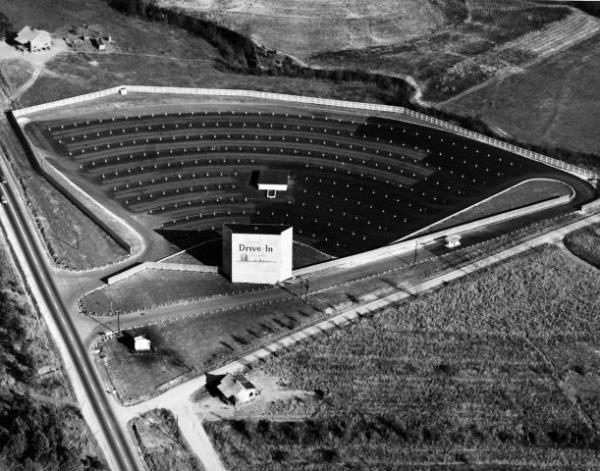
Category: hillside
[447,47]
[308,27]
[554,104]
[41,426]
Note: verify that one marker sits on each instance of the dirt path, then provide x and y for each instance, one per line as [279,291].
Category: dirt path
[27,85]
[37,61]
[192,430]
[139,54]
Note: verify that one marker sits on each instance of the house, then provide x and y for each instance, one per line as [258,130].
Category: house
[237,389]
[273,181]
[34,40]
[141,344]
[452,241]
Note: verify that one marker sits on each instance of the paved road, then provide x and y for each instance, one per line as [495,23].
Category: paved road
[29,250]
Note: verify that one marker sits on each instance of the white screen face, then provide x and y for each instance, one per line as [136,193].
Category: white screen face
[259,257]
[255,249]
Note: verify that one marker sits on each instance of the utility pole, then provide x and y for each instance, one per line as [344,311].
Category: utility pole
[415,254]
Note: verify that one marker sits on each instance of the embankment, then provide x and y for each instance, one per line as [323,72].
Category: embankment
[241,54]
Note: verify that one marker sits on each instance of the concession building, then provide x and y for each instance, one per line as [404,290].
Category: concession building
[272,181]
[257,253]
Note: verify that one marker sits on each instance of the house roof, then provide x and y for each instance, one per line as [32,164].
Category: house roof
[245,382]
[273,177]
[28,34]
[257,228]
[232,385]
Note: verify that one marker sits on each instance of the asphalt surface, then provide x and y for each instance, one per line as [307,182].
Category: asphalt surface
[123,457]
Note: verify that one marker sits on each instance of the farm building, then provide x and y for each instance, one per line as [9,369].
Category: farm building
[99,43]
[257,253]
[273,181]
[141,344]
[237,389]
[34,40]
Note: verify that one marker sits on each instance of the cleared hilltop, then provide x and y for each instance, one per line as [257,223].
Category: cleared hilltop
[309,27]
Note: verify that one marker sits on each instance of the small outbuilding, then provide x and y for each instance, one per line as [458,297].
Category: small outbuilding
[237,389]
[99,43]
[141,344]
[273,181]
[34,40]
[452,241]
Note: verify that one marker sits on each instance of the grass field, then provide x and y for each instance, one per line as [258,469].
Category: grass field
[190,346]
[585,243]
[523,194]
[495,371]
[553,103]
[72,75]
[157,434]
[13,73]
[73,240]
[152,288]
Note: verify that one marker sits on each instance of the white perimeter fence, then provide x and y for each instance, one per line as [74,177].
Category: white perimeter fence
[573,169]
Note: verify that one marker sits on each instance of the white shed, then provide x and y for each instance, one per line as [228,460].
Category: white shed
[141,344]
[452,241]
[237,389]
